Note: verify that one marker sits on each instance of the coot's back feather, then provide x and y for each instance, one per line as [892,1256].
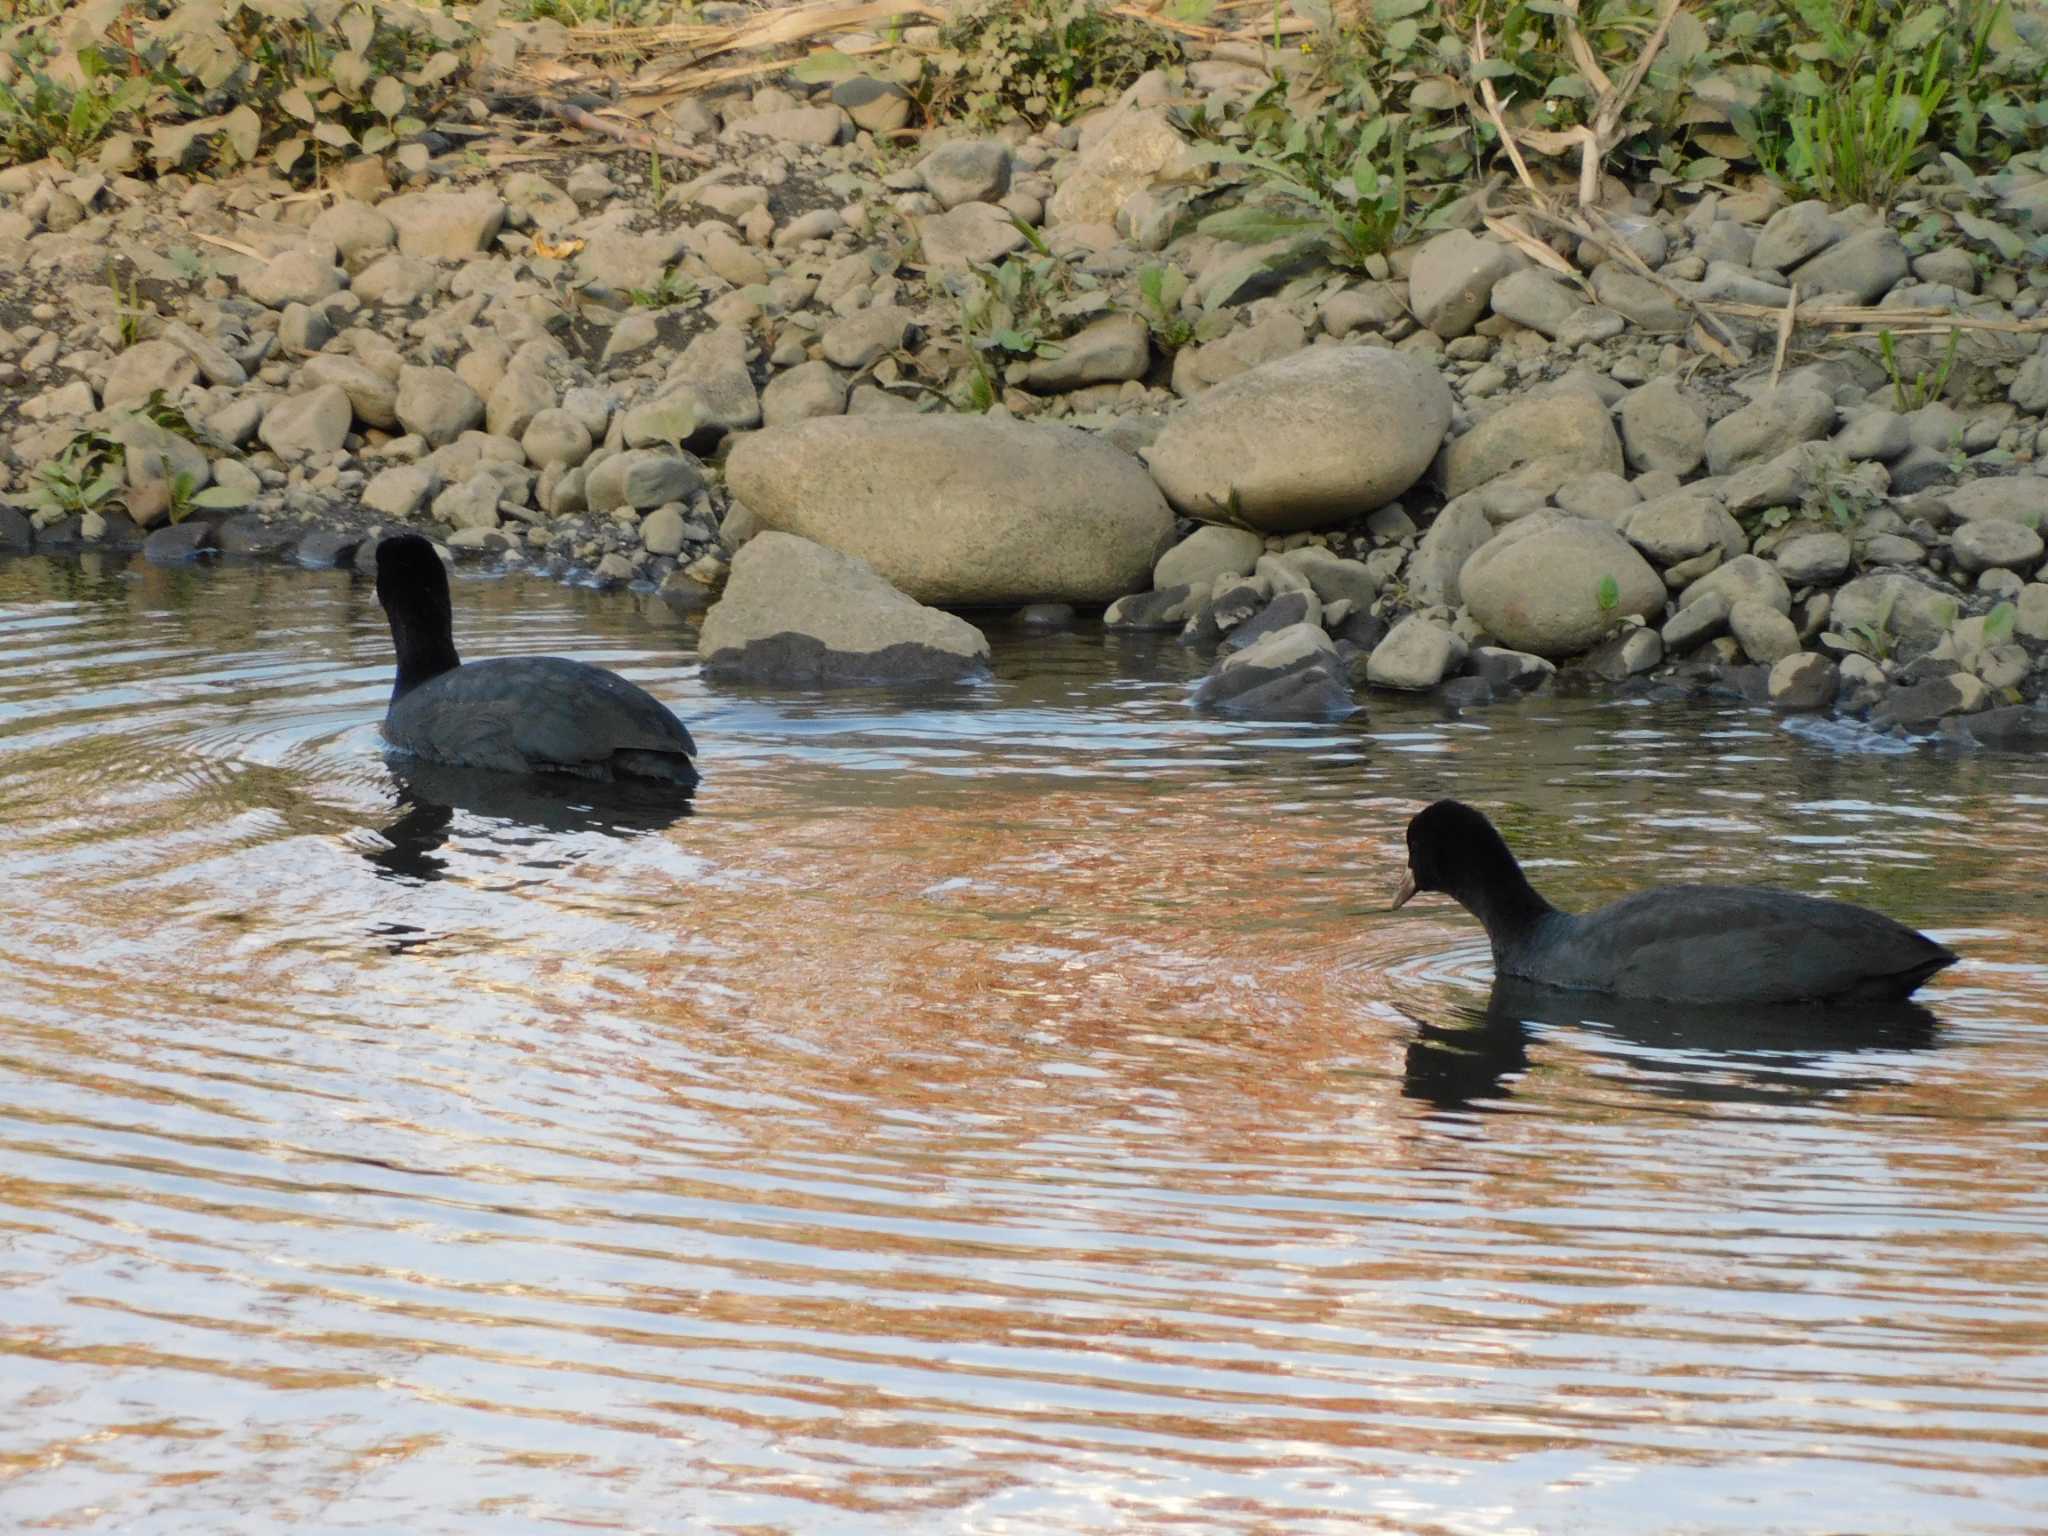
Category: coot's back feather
[540,714]
[1733,944]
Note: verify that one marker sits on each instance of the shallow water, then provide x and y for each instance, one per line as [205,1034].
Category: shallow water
[1008,1112]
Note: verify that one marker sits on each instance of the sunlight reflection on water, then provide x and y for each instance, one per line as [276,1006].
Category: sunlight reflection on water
[1009,1111]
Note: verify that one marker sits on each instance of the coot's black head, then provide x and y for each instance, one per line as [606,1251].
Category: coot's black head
[412,584]
[409,573]
[1455,849]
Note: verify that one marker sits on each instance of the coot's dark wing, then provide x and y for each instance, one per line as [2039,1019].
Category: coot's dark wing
[1741,944]
[542,714]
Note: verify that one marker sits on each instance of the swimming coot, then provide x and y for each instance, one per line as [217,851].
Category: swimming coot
[514,714]
[1683,943]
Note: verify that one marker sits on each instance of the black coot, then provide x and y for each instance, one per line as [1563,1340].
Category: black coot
[514,714]
[1737,944]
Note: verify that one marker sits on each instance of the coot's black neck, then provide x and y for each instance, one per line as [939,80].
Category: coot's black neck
[1508,906]
[425,642]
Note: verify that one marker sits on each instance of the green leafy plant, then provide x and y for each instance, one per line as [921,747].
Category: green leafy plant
[594,13]
[1160,291]
[187,497]
[1009,310]
[41,115]
[1858,143]
[159,410]
[85,477]
[1396,597]
[2000,624]
[1041,60]
[1316,184]
[189,264]
[1763,520]
[1840,497]
[1924,387]
[674,287]
[223,79]
[130,310]
[1872,637]
[1857,93]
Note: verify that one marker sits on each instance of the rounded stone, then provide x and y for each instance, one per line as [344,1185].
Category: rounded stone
[1765,635]
[1993,543]
[1307,441]
[1207,553]
[1568,429]
[1914,614]
[1543,584]
[1804,680]
[1414,656]
[556,436]
[436,404]
[300,426]
[1813,559]
[961,509]
[1745,577]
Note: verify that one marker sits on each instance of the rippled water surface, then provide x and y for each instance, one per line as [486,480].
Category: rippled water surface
[1012,1112]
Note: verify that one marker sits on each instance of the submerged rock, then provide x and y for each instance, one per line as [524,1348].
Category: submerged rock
[797,612]
[1293,673]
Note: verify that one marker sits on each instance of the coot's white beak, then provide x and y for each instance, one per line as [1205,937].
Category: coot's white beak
[1407,890]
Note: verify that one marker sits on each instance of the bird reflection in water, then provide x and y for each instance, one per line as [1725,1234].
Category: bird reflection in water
[1777,1054]
[530,815]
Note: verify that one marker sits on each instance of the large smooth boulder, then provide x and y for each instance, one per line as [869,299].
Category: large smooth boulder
[797,612]
[961,510]
[1538,585]
[1305,442]
[1570,429]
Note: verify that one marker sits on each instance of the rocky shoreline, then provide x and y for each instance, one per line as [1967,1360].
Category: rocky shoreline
[1500,451]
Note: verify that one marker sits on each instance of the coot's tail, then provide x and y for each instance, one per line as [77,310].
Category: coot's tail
[631,765]
[1900,985]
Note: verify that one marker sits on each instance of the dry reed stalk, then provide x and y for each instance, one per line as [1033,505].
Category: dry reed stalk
[1786,321]
[766,29]
[1596,139]
[639,138]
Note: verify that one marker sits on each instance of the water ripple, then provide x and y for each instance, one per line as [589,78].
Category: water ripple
[1012,1111]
